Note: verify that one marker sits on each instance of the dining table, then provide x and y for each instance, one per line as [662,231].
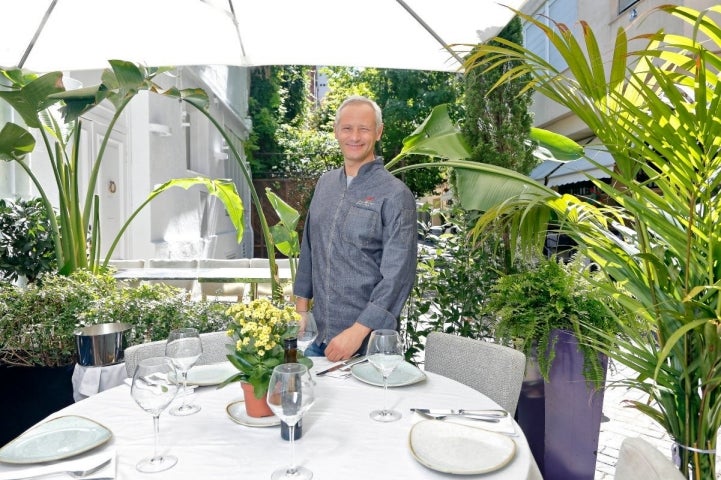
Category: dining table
[339,439]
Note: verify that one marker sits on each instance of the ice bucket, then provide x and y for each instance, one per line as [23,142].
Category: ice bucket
[101,344]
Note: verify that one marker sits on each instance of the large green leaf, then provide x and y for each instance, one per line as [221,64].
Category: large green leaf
[436,137]
[15,142]
[32,98]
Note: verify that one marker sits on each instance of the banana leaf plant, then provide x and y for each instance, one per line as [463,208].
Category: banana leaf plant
[32,96]
[657,110]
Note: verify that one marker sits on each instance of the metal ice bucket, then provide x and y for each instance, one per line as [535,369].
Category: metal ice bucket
[102,344]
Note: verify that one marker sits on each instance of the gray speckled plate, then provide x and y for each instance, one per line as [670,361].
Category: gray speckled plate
[55,439]
[404,374]
[459,449]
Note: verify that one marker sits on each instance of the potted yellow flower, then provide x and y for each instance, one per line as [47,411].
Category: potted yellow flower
[258,329]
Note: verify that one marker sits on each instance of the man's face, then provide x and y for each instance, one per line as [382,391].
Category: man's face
[357,132]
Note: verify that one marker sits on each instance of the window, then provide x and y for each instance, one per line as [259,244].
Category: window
[552,11]
[624,5]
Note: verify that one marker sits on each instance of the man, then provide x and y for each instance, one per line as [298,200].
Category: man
[358,252]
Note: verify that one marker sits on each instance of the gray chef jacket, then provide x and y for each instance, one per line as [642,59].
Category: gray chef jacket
[358,252]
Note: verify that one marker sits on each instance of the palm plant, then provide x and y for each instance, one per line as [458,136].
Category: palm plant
[35,98]
[658,112]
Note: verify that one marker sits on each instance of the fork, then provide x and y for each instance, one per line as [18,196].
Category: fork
[70,473]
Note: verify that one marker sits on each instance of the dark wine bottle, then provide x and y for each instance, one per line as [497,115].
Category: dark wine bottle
[290,355]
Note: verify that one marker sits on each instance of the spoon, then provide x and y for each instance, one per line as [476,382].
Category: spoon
[438,416]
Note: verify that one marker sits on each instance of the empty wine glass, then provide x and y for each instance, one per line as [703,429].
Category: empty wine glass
[385,353]
[153,388]
[308,331]
[184,349]
[290,395]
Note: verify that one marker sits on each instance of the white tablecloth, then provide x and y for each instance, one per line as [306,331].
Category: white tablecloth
[340,441]
[88,381]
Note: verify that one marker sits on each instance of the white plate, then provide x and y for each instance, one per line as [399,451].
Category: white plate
[55,439]
[236,411]
[212,374]
[459,449]
[404,374]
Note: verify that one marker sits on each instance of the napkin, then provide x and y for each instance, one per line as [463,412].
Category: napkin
[11,472]
[505,425]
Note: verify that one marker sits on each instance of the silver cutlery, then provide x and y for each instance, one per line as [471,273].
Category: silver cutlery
[70,473]
[487,415]
[441,416]
[347,363]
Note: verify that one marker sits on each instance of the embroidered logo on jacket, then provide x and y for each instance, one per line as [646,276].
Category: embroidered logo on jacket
[368,202]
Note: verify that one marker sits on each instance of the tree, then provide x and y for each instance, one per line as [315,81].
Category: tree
[278,99]
[497,121]
[406,98]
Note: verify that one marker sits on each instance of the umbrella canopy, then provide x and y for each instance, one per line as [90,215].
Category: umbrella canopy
[45,35]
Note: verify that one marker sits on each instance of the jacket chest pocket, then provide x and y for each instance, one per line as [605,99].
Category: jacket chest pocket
[362,226]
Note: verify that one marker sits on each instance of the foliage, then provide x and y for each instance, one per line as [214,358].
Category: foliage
[26,245]
[404,96]
[277,101]
[452,282]
[549,295]
[285,232]
[258,329]
[37,99]
[306,153]
[154,310]
[656,110]
[37,323]
[497,122]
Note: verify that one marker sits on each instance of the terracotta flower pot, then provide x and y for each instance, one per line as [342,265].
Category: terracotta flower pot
[255,407]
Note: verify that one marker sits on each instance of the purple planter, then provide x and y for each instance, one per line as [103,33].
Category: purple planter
[562,418]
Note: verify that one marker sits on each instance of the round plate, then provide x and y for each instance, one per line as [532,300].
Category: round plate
[236,412]
[211,374]
[404,374]
[59,438]
[459,449]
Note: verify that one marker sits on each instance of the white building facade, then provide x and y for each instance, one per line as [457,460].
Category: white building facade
[158,139]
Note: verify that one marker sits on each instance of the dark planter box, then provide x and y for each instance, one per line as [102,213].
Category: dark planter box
[562,419]
[30,394]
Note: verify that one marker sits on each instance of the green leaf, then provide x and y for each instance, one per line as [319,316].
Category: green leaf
[559,146]
[31,99]
[224,190]
[437,137]
[15,142]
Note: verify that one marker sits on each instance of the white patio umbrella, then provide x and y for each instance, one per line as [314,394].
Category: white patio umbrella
[45,35]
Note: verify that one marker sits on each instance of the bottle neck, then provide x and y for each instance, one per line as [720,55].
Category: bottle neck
[290,348]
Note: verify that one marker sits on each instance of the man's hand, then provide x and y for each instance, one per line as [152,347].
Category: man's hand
[346,343]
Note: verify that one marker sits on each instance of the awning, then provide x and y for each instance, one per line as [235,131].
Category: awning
[553,173]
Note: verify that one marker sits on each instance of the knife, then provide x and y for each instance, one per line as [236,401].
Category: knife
[347,363]
[495,413]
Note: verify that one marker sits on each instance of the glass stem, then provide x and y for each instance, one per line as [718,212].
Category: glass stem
[385,394]
[185,386]
[156,430]
[291,432]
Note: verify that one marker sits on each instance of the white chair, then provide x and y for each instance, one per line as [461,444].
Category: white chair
[492,369]
[174,263]
[214,350]
[222,291]
[263,289]
[638,459]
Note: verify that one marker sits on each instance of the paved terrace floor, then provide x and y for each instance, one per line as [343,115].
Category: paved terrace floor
[625,422]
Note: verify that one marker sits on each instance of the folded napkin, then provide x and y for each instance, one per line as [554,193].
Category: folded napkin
[505,425]
[12,472]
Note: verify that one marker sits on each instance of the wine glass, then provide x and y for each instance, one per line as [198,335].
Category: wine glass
[153,388]
[385,353]
[290,395]
[184,349]
[308,331]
